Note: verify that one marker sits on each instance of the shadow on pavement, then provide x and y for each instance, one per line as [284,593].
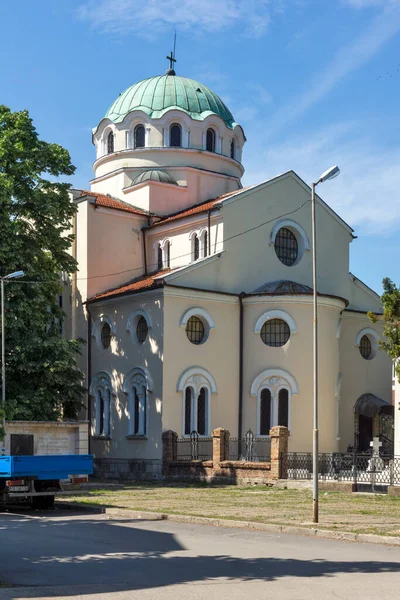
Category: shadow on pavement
[113,555]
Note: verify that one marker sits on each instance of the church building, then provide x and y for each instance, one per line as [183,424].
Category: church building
[194,293]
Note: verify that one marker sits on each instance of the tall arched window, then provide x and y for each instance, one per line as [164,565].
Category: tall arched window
[101,393]
[205,244]
[139,136]
[196,247]
[202,411]
[188,410]
[110,143]
[233,149]
[175,135]
[283,407]
[197,386]
[159,257]
[135,387]
[167,254]
[265,411]
[210,141]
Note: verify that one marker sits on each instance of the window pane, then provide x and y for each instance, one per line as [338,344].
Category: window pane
[365,347]
[275,332]
[110,143]
[136,412]
[141,330]
[139,136]
[167,255]
[201,412]
[196,248]
[283,408]
[175,136]
[210,146]
[188,410]
[232,149]
[106,335]
[159,257]
[101,424]
[205,244]
[265,412]
[286,246]
[195,330]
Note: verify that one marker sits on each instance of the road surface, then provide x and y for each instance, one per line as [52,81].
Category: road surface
[94,557]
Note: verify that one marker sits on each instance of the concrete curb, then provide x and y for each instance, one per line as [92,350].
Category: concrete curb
[269,527]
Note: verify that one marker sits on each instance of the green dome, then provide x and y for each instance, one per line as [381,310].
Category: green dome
[154,175]
[157,95]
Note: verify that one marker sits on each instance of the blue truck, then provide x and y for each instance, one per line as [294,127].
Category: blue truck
[36,479]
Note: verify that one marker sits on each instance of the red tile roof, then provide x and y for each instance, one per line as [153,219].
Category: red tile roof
[144,282]
[108,202]
[198,208]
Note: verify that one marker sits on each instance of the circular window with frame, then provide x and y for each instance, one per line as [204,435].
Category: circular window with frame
[142,330]
[105,336]
[195,330]
[286,246]
[365,348]
[275,333]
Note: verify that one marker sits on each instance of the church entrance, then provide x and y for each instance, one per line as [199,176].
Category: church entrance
[365,432]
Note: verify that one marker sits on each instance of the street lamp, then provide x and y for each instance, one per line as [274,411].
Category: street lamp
[329,174]
[3,353]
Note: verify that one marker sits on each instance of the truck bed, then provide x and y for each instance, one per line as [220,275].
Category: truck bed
[56,466]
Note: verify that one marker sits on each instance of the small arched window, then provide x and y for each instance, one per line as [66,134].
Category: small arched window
[265,411]
[159,257]
[233,149]
[188,410]
[196,247]
[102,411]
[175,135]
[167,255]
[283,407]
[210,141]
[205,244]
[139,136]
[202,412]
[110,143]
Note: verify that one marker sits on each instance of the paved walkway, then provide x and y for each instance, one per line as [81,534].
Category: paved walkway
[67,555]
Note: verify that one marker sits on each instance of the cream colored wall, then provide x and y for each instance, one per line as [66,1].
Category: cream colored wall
[359,376]
[296,358]
[250,260]
[219,355]
[179,236]
[122,356]
[396,398]
[361,297]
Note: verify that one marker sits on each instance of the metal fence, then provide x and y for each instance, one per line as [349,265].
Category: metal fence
[359,468]
[250,448]
[194,447]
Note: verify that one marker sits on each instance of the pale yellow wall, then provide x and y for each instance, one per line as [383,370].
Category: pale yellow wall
[219,355]
[359,376]
[122,356]
[295,357]
[361,297]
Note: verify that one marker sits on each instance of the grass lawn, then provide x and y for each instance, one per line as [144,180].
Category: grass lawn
[358,513]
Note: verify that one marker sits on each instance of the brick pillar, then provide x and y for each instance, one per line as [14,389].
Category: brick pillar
[169,449]
[279,447]
[220,438]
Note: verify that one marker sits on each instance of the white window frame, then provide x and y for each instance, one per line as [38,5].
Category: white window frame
[303,243]
[196,378]
[275,314]
[202,238]
[192,236]
[274,380]
[97,327]
[274,406]
[132,322]
[101,389]
[138,380]
[373,337]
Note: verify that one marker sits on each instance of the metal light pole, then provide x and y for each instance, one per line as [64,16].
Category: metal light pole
[3,353]
[329,174]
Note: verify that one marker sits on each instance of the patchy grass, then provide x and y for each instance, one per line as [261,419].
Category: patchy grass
[378,514]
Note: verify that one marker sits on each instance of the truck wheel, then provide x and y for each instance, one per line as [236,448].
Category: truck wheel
[42,502]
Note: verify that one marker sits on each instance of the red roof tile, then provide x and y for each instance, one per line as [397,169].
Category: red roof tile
[198,208]
[145,282]
[108,202]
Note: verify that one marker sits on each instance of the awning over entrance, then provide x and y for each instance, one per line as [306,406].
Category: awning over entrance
[370,405]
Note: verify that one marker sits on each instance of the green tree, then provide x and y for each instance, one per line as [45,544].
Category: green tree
[391,321]
[43,381]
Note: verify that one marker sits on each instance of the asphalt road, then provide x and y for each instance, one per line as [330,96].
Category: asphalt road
[68,555]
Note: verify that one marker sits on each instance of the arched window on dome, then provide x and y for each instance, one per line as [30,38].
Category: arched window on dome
[110,143]
[233,149]
[175,136]
[139,137]
[159,257]
[210,140]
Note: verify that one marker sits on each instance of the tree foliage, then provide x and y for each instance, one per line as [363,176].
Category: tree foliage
[391,321]
[35,236]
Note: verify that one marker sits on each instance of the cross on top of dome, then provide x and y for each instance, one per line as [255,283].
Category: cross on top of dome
[172,60]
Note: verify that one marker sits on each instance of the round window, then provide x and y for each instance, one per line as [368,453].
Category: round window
[275,332]
[141,330]
[106,335]
[286,246]
[365,347]
[195,330]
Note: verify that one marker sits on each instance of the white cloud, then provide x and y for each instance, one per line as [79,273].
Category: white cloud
[348,59]
[147,19]
[366,194]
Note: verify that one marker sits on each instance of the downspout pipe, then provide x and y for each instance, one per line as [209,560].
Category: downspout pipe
[144,245]
[209,232]
[89,376]
[240,399]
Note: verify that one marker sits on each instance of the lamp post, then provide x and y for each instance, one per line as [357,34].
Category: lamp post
[3,353]
[329,174]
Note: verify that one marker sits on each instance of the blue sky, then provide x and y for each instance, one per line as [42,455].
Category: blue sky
[313,82]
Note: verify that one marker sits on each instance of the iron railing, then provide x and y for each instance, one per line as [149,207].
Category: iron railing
[359,468]
[194,447]
[250,448]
